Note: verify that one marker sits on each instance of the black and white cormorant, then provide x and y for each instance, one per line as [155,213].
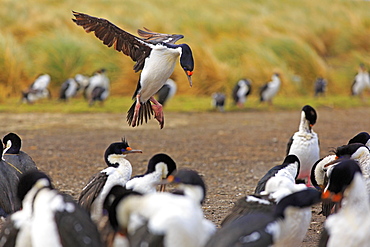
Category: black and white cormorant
[361,81]
[9,179]
[47,218]
[289,169]
[37,90]
[155,54]
[240,92]
[218,101]
[98,88]
[164,219]
[118,173]
[320,86]
[15,156]
[305,142]
[167,91]
[277,183]
[349,225]
[319,176]
[270,89]
[284,225]
[160,166]
[68,89]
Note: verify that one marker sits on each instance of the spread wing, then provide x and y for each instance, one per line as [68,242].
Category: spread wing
[92,190]
[156,38]
[111,35]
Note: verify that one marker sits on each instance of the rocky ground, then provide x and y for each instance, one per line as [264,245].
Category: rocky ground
[231,150]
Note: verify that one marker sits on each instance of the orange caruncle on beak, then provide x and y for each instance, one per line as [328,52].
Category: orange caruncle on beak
[189,73]
[170,178]
[337,197]
[325,195]
[128,149]
[331,196]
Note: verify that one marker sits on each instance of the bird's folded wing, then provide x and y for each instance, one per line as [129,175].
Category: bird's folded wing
[92,190]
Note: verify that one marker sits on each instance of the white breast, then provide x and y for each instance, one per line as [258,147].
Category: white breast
[157,69]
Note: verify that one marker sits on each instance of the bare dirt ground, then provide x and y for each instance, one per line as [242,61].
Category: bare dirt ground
[232,150]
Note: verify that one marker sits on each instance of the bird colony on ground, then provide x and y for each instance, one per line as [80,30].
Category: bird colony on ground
[115,208]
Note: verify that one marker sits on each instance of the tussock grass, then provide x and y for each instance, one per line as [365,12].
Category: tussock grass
[252,39]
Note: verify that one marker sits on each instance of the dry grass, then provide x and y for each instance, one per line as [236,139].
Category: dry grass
[300,39]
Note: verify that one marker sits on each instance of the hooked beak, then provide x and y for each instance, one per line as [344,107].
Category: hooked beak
[131,151]
[189,74]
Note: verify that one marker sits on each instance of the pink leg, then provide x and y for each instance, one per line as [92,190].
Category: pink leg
[158,110]
[136,112]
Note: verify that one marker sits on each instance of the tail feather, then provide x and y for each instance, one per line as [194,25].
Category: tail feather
[145,112]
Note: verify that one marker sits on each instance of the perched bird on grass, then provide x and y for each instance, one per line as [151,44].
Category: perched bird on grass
[240,92]
[167,91]
[270,89]
[361,81]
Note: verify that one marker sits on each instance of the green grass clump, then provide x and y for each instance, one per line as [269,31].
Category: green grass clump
[180,103]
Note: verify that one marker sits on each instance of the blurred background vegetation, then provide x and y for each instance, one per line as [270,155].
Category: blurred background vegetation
[230,39]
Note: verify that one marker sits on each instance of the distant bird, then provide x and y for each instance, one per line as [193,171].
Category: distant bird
[155,54]
[361,81]
[13,154]
[160,166]
[285,226]
[289,169]
[240,92]
[68,89]
[9,179]
[218,101]
[349,225]
[305,143]
[98,88]
[167,91]
[164,219]
[37,90]
[118,173]
[270,89]
[320,86]
[72,86]
[47,218]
